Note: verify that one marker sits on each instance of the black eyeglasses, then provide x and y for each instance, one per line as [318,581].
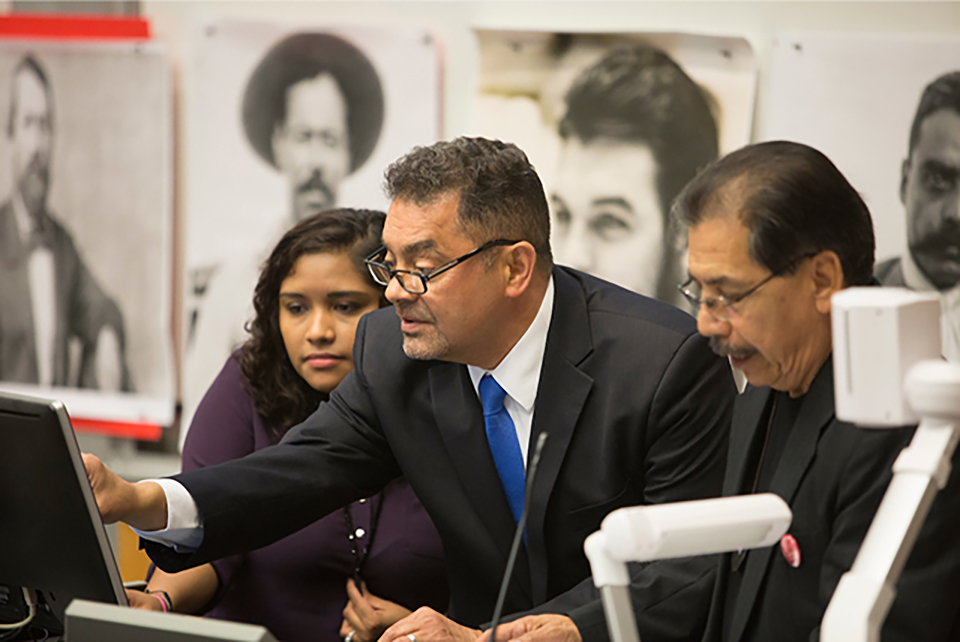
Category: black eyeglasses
[720,306]
[416,282]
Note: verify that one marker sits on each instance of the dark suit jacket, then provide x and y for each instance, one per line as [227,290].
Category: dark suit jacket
[636,405]
[82,309]
[833,474]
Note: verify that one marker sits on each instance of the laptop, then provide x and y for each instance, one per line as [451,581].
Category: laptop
[52,539]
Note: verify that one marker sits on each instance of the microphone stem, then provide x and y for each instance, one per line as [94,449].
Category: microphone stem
[517,536]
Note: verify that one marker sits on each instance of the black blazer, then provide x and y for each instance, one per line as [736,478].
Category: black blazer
[636,405]
[833,474]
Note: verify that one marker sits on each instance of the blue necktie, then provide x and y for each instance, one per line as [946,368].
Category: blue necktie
[504,444]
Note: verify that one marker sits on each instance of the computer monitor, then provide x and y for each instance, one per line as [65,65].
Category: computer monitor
[92,622]
[52,539]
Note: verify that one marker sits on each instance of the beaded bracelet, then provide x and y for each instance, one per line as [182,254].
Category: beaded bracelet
[163,602]
[164,598]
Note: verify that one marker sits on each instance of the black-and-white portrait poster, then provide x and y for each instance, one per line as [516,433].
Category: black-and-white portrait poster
[616,125]
[86,227]
[286,121]
[886,111]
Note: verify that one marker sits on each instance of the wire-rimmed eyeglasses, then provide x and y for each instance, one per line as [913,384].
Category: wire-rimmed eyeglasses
[720,306]
[415,282]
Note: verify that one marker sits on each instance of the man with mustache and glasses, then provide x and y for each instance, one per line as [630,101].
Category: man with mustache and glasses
[57,326]
[313,110]
[930,192]
[488,345]
[774,230]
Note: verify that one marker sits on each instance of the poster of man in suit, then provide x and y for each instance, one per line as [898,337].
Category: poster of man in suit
[903,158]
[617,124]
[85,226]
[287,121]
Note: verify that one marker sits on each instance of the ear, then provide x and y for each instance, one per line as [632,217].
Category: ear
[827,274]
[519,265]
[904,172]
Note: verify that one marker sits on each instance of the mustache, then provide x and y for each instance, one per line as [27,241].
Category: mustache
[37,167]
[945,238]
[727,350]
[316,183]
[414,310]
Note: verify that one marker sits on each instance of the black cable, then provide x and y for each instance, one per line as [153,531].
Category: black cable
[518,536]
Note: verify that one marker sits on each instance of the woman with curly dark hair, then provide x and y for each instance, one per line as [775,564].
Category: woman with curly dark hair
[356,571]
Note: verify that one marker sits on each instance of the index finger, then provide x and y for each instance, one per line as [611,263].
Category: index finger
[354,594]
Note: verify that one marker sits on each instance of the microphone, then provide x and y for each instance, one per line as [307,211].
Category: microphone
[518,535]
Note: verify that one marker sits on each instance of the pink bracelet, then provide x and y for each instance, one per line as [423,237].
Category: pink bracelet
[163,602]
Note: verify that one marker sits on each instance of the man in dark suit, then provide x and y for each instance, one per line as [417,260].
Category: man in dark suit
[56,321]
[774,231]
[636,406]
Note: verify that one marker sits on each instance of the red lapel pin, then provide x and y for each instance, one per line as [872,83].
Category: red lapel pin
[790,550]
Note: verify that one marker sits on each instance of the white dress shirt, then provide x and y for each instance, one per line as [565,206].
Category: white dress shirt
[518,374]
[43,298]
[949,307]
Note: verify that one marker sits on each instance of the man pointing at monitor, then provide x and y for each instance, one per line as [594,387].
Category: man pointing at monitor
[636,405]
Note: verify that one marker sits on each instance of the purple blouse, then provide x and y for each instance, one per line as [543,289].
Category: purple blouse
[296,587]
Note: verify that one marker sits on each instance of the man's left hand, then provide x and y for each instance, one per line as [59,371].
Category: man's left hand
[426,625]
[537,628]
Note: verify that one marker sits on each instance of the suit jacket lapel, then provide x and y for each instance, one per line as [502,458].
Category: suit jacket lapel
[561,394]
[746,427]
[459,417]
[815,413]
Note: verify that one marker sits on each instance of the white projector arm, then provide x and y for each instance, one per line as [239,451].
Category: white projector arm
[863,597]
[682,529]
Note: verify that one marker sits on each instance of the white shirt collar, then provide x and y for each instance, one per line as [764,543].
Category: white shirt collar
[519,372]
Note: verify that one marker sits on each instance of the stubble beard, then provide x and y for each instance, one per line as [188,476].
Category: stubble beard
[426,346]
[429,342]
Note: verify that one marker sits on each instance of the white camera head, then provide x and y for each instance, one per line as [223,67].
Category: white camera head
[878,335]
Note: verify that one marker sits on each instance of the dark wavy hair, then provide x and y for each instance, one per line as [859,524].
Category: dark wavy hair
[942,93]
[281,396]
[793,201]
[500,193]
